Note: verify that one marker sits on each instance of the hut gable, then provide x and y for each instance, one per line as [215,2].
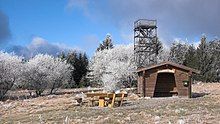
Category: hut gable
[166,63]
[165,79]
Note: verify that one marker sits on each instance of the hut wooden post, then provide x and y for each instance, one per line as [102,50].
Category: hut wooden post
[144,84]
[190,84]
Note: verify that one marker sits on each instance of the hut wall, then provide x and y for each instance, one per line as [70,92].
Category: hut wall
[147,81]
[181,76]
[150,79]
[140,83]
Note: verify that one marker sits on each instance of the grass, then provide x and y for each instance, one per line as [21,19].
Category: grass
[204,109]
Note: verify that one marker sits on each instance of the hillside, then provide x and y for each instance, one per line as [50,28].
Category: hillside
[204,108]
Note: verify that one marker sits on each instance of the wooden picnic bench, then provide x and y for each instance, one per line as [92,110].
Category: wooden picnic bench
[110,96]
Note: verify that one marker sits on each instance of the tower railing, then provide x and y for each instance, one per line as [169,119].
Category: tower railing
[145,23]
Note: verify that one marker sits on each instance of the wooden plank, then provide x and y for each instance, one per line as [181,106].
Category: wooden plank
[101,102]
[122,98]
[96,94]
[113,101]
[112,96]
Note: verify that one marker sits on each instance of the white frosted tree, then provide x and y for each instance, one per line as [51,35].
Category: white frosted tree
[45,71]
[178,51]
[10,71]
[112,67]
[59,73]
[97,65]
[163,55]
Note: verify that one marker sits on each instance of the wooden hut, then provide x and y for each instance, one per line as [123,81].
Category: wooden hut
[165,79]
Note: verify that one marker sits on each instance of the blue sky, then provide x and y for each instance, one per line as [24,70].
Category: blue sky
[82,24]
[54,22]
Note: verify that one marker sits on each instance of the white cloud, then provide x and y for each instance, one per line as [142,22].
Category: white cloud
[175,18]
[79,4]
[37,42]
[40,45]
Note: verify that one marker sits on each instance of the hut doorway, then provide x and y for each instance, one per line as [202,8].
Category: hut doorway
[165,85]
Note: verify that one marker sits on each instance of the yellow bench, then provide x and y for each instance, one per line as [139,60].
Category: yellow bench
[110,96]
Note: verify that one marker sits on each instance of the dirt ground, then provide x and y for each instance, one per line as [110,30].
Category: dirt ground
[204,108]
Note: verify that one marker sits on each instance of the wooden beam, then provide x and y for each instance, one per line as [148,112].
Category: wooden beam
[101,102]
[122,98]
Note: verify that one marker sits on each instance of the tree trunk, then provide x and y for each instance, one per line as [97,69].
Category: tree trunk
[53,87]
[51,91]
[38,92]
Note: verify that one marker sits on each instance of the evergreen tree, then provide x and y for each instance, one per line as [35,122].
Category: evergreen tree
[214,49]
[177,52]
[204,61]
[80,63]
[190,58]
[106,44]
[82,69]
[62,56]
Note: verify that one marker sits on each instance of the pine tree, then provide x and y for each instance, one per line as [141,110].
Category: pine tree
[204,61]
[62,56]
[190,58]
[214,49]
[85,62]
[177,52]
[80,63]
[106,44]
[70,58]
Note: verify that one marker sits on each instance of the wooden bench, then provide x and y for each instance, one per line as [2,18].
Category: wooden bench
[111,97]
[174,92]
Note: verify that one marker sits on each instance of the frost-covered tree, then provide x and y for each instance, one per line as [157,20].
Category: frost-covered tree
[111,67]
[59,74]
[36,73]
[178,51]
[163,55]
[45,71]
[97,66]
[10,68]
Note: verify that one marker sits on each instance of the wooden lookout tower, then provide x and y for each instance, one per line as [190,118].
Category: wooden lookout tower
[145,31]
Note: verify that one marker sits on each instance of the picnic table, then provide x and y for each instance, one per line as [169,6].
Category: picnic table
[110,96]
